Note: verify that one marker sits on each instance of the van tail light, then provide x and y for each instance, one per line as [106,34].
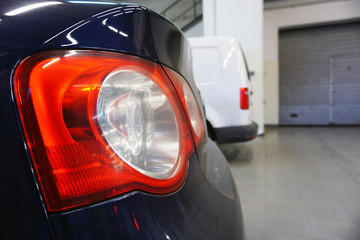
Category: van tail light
[244,98]
[101,124]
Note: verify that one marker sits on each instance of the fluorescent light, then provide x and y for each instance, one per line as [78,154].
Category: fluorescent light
[123,34]
[92,2]
[51,62]
[31,7]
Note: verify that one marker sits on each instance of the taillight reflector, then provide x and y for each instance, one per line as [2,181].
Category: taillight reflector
[100,124]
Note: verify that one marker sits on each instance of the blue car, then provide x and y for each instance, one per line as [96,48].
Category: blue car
[102,128]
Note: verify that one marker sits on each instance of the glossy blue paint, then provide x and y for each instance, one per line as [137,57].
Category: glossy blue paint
[111,30]
[199,210]
[75,25]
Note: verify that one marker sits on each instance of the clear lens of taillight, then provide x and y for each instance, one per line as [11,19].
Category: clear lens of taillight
[190,104]
[101,124]
[244,98]
[139,123]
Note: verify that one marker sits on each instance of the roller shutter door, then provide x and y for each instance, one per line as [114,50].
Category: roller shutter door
[320,75]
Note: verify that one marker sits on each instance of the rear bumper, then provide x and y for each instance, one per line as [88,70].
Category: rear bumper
[236,133]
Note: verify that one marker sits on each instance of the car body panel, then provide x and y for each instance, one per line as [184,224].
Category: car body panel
[20,200]
[199,209]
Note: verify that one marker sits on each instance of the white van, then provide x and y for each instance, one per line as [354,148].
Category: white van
[221,74]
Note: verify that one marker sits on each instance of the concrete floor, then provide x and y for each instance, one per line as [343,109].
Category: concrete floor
[299,183]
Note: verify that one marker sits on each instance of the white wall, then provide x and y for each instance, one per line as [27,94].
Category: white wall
[292,17]
[244,21]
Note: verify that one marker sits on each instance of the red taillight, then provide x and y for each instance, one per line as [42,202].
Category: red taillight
[244,98]
[189,103]
[100,124]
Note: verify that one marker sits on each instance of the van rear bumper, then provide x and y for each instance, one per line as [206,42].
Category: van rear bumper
[236,133]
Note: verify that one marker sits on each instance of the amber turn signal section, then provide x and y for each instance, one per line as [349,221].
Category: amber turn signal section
[101,124]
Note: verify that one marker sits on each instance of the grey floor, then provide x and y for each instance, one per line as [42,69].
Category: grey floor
[299,183]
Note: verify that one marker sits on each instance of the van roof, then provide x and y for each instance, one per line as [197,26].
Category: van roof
[221,42]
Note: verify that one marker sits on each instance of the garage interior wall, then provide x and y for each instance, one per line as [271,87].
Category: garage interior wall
[322,13]
[244,21]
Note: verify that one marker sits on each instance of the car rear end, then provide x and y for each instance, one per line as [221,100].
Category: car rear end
[222,76]
[102,129]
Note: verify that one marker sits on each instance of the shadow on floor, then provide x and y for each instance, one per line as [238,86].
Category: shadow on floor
[239,152]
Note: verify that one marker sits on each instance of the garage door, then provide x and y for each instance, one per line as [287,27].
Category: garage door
[320,75]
